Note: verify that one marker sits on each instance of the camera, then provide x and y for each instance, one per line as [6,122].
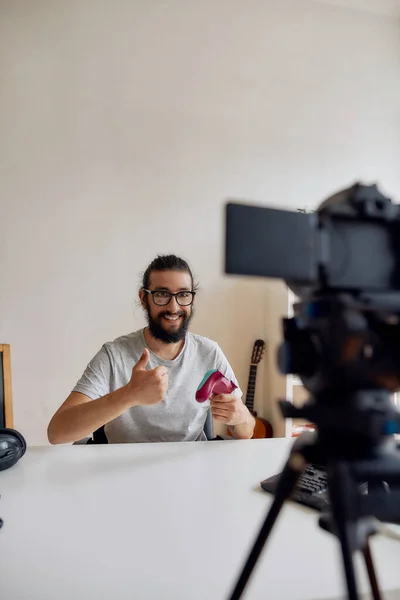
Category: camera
[343,263]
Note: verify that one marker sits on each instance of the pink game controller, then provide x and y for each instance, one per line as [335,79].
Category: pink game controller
[214,383]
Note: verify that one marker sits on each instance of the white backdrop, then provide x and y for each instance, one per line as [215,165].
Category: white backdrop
[125,126]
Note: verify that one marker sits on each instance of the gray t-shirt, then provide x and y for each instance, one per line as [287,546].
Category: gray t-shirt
[178,417]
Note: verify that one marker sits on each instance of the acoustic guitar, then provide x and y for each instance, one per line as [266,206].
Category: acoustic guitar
[263,428]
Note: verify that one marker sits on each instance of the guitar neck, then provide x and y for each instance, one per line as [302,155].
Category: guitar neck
[251,387]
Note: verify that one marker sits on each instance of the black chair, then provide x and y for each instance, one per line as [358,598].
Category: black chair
[208,426]
[99,436]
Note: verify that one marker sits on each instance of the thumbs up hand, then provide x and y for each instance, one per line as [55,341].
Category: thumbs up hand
[147,386]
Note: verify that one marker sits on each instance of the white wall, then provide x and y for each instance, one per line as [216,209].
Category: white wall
[124,127]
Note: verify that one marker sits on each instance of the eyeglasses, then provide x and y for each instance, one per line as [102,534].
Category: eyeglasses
[162,298]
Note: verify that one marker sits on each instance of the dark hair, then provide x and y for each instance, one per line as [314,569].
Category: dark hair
[166,262]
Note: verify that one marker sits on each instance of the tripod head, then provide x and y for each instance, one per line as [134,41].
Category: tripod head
[348,358]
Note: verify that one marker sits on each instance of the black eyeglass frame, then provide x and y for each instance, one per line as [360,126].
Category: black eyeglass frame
[171,295]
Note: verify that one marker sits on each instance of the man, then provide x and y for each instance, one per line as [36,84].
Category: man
[141,387]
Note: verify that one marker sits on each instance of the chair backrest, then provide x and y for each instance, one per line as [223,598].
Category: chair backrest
[208,426]
[6,412]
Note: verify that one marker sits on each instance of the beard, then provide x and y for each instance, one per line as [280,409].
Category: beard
[168,337]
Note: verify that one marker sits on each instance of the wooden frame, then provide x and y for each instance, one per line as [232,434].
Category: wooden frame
[6,384]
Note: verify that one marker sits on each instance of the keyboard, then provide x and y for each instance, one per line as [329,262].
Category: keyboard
[311,489]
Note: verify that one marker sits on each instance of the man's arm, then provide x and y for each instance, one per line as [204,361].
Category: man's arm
[80,416]
[244,431]
[229,409]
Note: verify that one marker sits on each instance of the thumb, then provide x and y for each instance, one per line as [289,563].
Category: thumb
[142,362]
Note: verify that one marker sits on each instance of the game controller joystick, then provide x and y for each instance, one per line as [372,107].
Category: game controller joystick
[214,383]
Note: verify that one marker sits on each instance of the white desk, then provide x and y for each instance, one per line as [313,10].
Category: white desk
[161,522]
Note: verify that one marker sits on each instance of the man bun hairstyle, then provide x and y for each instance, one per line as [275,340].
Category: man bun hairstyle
[166,262]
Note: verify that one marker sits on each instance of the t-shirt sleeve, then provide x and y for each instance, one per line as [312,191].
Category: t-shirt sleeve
[95,381]
[223,365]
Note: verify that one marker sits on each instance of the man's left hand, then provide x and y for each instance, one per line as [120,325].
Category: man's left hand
[229,409]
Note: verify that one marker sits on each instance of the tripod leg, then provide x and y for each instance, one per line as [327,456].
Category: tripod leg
[338,483]
[348,564]
[285,486]
[371,572]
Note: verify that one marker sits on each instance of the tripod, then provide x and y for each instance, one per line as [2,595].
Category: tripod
[343,341]
[352,516]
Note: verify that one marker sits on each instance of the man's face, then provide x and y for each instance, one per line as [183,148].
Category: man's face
[168,322]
